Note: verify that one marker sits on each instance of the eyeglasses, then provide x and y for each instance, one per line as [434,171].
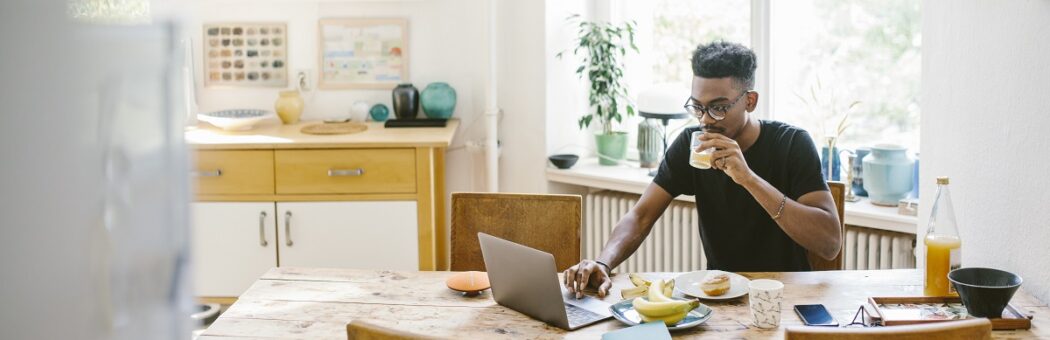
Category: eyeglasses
[717,112]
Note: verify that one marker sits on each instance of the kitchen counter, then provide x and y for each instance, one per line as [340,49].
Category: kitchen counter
[271,134]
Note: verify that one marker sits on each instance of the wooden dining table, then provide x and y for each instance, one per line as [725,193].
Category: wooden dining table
[317,303]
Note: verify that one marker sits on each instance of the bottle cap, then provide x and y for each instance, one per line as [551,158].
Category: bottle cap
[943,180]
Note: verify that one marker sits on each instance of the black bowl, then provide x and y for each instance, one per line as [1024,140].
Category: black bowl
[984,291]
[564,161]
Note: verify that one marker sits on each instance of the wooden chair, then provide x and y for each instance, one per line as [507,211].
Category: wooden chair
[362,330]
[838,194]
[550,223]
[975,329]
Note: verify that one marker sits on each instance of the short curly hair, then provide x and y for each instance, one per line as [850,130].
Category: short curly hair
[720,59]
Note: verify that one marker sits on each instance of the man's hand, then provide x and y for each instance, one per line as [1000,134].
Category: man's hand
[585,273]
[727,156]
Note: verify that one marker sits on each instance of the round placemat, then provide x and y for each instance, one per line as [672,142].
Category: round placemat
[334,128]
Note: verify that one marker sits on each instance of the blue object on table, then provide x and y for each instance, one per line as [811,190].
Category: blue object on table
[888,174]
[650,330]
[835,164]
[858,172]
[379,112]
[438,100]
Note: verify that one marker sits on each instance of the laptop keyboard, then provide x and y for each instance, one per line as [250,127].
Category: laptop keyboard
[580,316]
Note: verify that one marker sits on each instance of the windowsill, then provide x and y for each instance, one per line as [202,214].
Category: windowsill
[632,179]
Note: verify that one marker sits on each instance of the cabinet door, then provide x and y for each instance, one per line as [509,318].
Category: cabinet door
[233,245]
[362,235]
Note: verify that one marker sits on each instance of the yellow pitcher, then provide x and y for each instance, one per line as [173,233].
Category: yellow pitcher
[289,106]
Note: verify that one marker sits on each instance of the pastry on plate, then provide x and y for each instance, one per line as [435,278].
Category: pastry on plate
[716,285]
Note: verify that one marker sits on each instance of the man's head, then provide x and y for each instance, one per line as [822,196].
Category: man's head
[723,78]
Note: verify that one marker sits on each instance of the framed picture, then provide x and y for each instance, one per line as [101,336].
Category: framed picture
[245,55]
[362,53]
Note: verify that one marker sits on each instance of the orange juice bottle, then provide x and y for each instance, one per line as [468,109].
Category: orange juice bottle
[943,245]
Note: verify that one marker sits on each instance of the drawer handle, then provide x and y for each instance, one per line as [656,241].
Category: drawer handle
[213,173]
[262,229]
[343,172]
[288,228]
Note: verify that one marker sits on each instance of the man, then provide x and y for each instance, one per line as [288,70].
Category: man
[763,204]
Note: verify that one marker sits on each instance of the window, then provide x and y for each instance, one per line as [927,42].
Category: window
[668,32]
[858,50]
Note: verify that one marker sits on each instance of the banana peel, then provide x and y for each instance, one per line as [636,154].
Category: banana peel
[638,280]
[631,293]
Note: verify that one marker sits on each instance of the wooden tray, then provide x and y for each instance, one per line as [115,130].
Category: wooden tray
[892,311]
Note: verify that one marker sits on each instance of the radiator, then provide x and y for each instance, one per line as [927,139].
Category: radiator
[674,243]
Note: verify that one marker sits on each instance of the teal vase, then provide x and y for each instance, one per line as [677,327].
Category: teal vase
[379,112]
[438,100]
[887,174]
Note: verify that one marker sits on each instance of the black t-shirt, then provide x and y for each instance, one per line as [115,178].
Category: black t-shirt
[737,234]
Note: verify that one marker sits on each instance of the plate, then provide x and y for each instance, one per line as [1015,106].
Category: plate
[238,119]
[624,311]
[689,284]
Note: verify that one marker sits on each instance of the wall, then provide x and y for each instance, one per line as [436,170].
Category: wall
[985,112]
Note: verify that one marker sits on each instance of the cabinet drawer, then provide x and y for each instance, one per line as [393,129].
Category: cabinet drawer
[347,171]
[218,172]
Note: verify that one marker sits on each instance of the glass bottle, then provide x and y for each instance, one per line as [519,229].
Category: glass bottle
[943,245]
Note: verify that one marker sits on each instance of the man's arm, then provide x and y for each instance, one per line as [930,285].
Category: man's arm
[812,221]
[634,227]
[628,235]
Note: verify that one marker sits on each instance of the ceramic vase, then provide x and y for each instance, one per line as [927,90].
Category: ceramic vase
[888,174]
[438,100]
[650,144]
[858,172]
[359,111]
[406,101]
[379,112]
[289,106]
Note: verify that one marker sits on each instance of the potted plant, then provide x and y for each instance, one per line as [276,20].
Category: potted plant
[602,46]
[827,110]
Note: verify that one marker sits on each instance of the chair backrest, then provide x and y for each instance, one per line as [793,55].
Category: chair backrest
[838,194]
[976,329]
[550,223]
[362,330]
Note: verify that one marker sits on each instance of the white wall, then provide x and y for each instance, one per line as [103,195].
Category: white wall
[985,109]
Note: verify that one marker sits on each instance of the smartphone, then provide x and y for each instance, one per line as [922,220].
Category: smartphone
[815,315]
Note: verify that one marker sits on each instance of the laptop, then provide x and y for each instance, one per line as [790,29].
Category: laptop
[526,280]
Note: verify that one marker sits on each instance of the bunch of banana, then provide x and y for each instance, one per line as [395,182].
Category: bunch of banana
[657,306]
[641,287]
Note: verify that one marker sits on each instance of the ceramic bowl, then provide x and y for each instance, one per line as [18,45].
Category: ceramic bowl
[563,161]
[238,119]
[984,291]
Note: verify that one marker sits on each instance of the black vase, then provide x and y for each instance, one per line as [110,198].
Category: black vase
[406,101]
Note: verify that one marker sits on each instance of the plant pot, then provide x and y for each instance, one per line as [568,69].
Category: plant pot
[406,101]
[438,100]
[612,147]
[888,174]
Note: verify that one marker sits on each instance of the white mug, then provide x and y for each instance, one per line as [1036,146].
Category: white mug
[765,299]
